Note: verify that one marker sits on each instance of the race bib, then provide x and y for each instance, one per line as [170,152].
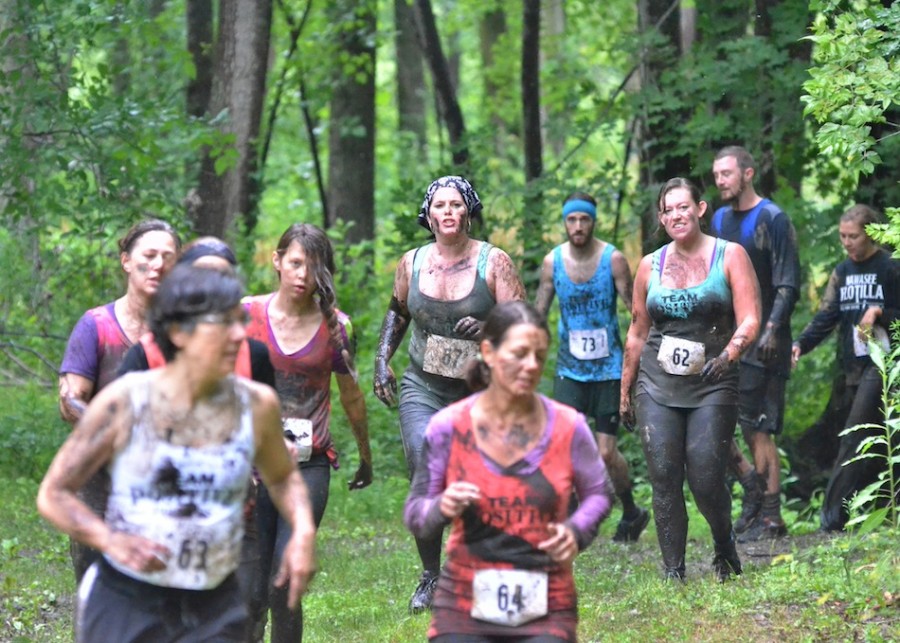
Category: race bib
[302,432]
[447,356]
[509,596]
[861,346]
[681,356]
[588,344]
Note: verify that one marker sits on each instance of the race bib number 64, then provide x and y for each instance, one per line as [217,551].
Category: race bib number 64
[509,596]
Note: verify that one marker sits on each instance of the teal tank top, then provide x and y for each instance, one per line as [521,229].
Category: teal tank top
[690,326]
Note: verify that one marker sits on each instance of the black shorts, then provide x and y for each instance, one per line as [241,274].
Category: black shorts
[115,607]
[761,399]
[599,401]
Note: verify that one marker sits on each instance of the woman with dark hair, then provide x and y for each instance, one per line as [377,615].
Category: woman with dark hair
[100,339]
[252,362]
[308,340]
[862,300]
[445,289]
[179,443]
[500,467]
[695,310]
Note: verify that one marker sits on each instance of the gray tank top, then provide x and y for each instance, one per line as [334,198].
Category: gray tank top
[437,355]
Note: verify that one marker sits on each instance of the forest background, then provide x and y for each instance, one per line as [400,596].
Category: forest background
[240,117]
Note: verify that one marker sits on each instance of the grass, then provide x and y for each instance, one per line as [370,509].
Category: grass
[834,589]
[806,588]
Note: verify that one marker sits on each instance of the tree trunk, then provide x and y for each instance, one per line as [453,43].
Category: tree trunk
[411,90]
[687,23]
[531,134]
[242,53]
[199,17]
[657,164]
[351,159]
[443,83]
[554,18]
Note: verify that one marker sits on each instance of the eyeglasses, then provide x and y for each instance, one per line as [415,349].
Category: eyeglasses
[223,319]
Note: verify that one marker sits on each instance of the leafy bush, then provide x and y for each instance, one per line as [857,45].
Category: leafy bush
[30,431]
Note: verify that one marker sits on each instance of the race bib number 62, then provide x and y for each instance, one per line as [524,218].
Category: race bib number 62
[681,356]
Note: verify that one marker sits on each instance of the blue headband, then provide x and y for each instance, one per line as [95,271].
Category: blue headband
[577,205]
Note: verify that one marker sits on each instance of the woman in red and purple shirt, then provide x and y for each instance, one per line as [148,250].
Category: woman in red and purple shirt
[308,340]
[501,466]
[101,338]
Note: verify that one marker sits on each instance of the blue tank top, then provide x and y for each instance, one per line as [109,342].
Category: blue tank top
[690,326]
[590,349]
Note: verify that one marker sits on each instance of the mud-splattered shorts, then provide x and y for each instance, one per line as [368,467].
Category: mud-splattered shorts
[761,399]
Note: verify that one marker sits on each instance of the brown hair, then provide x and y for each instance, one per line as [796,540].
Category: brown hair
[501,318]
[139,229]
[318,250]
[861,214]
[742,156]
[676,184]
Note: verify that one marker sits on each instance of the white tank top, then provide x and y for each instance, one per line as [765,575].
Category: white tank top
[189,499]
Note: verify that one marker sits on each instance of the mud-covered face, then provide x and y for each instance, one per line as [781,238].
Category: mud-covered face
[680,214]
[857,244]
[448,213]
[296,271]
[151,257]
[518,362]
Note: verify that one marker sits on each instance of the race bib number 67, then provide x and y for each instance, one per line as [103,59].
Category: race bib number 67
[509,596]
[448,356]
[681,356]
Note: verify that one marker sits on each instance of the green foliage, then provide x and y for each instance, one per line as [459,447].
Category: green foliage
[32,431]
[879,502]
[855,79]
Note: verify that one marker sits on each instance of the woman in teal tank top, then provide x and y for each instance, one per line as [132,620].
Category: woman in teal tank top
[696,308]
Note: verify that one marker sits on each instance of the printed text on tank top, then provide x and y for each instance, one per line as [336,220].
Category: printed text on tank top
[680,271]
[449,277]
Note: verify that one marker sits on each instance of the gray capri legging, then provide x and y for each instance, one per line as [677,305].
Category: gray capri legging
[418,402]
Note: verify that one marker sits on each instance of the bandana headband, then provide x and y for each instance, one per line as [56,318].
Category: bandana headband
[465,189]
[577,205]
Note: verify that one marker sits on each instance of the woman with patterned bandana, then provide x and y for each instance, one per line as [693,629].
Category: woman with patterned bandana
[445,289]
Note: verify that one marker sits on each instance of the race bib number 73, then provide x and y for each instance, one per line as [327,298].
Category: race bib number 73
[588,344]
